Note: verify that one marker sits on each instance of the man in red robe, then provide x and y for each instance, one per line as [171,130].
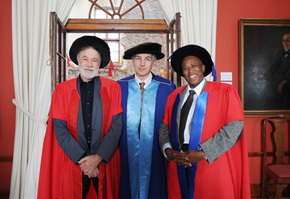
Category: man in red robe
[202,134]
[81,143]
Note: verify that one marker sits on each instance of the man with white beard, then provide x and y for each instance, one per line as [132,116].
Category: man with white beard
[84,128]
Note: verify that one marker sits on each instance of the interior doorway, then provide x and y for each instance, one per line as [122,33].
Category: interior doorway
[113,28]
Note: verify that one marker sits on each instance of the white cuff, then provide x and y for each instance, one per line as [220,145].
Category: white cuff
[165,146]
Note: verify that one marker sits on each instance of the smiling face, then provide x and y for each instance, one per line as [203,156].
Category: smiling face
[89,61]
[192,69]
[143,64]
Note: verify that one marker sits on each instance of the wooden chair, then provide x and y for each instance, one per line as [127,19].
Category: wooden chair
[276,173]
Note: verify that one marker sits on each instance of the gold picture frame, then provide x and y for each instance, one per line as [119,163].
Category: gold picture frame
[260,71]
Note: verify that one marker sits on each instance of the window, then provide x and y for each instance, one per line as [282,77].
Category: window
[112,39]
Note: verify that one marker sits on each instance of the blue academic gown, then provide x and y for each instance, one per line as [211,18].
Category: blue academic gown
[143,172]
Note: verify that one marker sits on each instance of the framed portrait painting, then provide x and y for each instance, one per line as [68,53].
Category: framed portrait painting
[265,66]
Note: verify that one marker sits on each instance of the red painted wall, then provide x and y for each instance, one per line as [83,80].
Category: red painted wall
[7,109]
[227,55]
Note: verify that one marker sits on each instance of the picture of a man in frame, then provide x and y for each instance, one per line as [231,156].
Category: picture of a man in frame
[280,73]
[266,68]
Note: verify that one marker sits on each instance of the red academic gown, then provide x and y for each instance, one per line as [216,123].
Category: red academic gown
[59,176]
[228,176]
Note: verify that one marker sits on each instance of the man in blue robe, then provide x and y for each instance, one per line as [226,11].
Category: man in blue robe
[144,98]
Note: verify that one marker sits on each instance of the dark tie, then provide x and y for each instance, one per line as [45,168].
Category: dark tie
[183,116]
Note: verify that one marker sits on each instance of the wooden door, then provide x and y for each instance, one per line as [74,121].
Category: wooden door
[173,42]
[58,59]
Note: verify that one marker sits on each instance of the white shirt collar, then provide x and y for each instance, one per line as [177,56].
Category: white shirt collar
[147,80]
[198,88]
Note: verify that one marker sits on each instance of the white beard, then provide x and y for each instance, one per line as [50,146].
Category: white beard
[89,75]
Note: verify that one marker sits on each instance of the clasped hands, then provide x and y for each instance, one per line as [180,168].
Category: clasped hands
[185,159]
[89,165]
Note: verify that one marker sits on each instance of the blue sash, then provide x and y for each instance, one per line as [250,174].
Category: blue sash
[186,176]
[140,149]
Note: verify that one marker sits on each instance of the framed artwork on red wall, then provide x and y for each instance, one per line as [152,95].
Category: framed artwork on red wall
[264,65]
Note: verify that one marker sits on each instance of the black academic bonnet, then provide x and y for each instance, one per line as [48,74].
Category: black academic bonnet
[191,50]
[91,41]
[151,48]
